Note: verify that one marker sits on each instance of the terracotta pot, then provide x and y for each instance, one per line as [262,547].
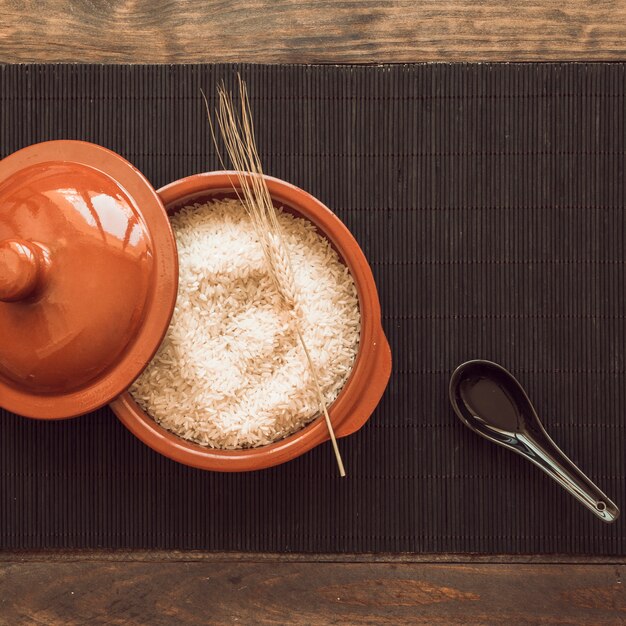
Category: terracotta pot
[362,391]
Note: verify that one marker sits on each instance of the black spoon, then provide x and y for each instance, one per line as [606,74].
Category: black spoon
[491,402]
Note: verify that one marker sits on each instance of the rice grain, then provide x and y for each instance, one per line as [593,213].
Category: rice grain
[231,372]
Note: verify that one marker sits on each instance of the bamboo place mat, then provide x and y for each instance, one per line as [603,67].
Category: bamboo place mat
[489,200]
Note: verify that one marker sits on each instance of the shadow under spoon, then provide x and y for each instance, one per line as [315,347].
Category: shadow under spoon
[489,400]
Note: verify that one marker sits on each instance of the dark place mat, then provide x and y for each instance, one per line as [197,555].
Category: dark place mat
[490,202]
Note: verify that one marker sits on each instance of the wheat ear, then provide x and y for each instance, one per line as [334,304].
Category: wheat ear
[238,135]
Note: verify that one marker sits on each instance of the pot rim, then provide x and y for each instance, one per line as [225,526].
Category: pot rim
[361,392]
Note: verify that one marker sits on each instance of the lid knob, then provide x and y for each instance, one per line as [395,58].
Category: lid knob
[20,269]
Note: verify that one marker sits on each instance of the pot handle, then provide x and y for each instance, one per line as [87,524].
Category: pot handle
[381,367]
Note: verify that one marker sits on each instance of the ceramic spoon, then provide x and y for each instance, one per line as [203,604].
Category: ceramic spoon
[490,401]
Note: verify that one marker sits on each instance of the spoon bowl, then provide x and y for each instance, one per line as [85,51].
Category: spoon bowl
[489,400]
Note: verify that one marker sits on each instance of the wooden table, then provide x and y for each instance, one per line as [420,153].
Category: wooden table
[300,31]
[198,588]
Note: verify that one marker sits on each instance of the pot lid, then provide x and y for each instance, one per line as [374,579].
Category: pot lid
[88,277]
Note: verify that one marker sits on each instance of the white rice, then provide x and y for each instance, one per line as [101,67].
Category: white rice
[231,372]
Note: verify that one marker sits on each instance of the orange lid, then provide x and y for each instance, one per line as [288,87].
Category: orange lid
[88,277]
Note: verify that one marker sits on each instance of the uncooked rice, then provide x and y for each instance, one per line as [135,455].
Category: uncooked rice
[231,372]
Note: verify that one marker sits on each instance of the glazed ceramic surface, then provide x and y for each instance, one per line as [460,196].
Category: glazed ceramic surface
[88,277]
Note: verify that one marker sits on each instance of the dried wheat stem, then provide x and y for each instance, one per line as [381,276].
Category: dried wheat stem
[238,135]
[331,431]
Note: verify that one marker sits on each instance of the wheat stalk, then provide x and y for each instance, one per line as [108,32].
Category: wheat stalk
[238,135]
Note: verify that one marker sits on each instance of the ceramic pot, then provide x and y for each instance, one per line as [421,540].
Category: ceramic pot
[366,384]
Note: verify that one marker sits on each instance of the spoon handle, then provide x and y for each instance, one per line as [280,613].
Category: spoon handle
[544,453]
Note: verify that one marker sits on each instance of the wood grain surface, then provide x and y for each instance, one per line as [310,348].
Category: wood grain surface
[300,31]
[277,592]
